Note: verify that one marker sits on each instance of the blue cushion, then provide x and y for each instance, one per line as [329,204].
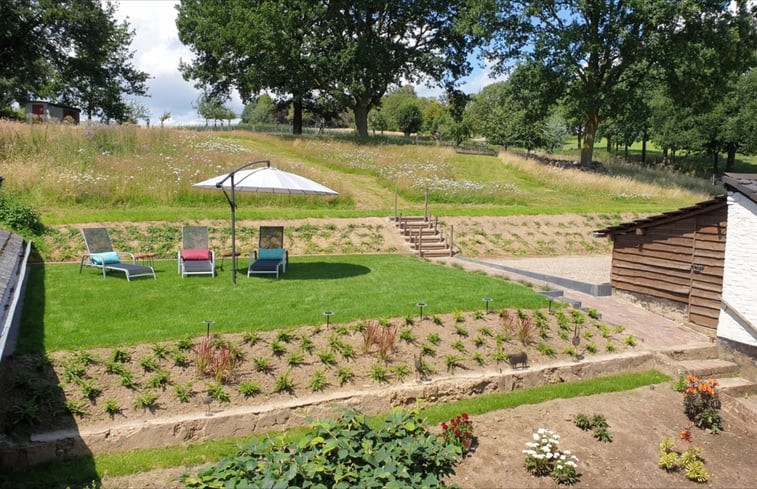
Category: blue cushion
[272,253]
[105,258]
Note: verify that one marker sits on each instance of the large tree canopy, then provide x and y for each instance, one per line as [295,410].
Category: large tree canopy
[603,46]
[349,51]
[70,51]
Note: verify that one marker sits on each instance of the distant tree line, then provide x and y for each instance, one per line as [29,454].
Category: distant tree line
[72,52]
[677,73]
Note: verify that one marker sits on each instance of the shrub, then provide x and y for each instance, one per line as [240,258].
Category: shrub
[408,336]
[327,358]
[76,408]
[284,384]
[248,388]
[111,407]
[216,392]
[160,351]
[701,403]
[179,358]
[544,458]
[434,339]
[19,216]
[295,359]
[159,380]
[318,381]
[452,362]
[262,365]
[120,356]
[146,400]
[340,453]
[460,331]
[459,433]
[344,375]
[149,363]
[401,372]
[183,392]
[379,373]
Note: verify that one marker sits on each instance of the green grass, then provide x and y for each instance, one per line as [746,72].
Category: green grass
[85,469]
[66,310]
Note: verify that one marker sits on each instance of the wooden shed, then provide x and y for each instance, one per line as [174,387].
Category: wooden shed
[41,111]
[676,256]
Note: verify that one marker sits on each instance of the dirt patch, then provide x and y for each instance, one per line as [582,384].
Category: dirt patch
[638,419]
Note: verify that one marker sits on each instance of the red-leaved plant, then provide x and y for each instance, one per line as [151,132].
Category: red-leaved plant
[459,432]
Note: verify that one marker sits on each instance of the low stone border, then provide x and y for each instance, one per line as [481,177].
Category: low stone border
[249,420]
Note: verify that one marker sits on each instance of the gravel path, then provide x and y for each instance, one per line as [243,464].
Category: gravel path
[589,269]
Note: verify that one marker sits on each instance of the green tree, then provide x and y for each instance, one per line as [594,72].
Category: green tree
[70,51]
[164,117]
[600,45]
[377,121]
[260,111]
[409,118]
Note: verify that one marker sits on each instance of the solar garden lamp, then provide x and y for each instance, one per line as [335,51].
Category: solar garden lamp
[487,300]
[328,315]
[421,305]
[208,322]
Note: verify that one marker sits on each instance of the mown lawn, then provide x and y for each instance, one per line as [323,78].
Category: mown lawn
[67,310]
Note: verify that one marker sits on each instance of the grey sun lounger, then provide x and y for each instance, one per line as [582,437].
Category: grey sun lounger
[100,254]
[271,256]
[195,256]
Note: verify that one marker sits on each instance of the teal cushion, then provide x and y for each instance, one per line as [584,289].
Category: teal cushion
[272,253]
[105,258]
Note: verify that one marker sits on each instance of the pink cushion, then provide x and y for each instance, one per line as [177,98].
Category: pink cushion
[195,254]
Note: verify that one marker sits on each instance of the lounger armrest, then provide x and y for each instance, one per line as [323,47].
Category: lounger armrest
[130,255]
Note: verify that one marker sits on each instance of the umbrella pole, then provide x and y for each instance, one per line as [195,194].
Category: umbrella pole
[233,235]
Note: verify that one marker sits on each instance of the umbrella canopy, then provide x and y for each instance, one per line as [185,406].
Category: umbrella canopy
[265,179]
[268,180]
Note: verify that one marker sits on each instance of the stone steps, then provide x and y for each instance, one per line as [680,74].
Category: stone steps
[709,368]
[738,387]
[423,236]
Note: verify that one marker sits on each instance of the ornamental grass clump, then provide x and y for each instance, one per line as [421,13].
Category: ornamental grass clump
[701,403]
[459,433]
[544,458]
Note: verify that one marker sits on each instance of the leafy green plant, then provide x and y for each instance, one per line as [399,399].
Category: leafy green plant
[74,372]
[284,336]
[593,313]
[159,380]
[611,348]
[179,358]
[327,358]
[146,401]
[248,388]
[263,365]
[250,337]
[452,362]
[185,344]
[680,384]
[86,358]
[630,341]
[486,332]
[428,350]
[318,381]
[544,458]
[546,350]
[410,456]
[401,372]
[307,344]
[478,314]
[111,407]
[217,392]
[127,380]
[120,356]
[592,348]
[278,348]
[160,351]
[295,359]
[460,331]
[183,392]
[479,341]
[26,412]
[458,316]
[344,375]
[588,334]
[409,320]
[437,320]
[379,374]
[76,408]
[459,346]
[112,367]
[602,434]
[434,339]
[408,336]
[149,363]
[583,422]
[479,359]
[578,317]
[284,384]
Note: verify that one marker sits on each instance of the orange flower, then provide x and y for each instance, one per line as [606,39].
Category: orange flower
[692,378]
[686,435]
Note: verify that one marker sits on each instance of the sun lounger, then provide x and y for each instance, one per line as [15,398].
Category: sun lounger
[100,254]
[271,256]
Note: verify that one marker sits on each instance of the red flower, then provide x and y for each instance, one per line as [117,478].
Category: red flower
[465,416]
[686,435]
[457,432]
[444,426]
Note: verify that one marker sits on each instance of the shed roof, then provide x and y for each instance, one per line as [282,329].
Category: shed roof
[665,217]
[746,183]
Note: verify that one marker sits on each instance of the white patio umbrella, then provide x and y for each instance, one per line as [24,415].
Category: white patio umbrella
[265,179]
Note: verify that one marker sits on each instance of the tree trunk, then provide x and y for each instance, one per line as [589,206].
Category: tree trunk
[644,148]
[731,160]
[361,119]
[580,134]
[715,169]
[609,144]
[297,116]
[590,132]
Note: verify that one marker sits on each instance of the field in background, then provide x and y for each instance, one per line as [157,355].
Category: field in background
[76,174]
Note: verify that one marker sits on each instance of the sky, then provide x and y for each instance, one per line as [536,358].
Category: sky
[157,51]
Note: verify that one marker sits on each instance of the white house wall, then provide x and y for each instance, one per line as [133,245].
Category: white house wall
[740,271]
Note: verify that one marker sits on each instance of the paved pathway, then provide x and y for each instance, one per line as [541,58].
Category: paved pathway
[655,331]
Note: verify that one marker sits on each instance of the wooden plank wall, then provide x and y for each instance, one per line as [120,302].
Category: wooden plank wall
[707,284]
[659,262]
